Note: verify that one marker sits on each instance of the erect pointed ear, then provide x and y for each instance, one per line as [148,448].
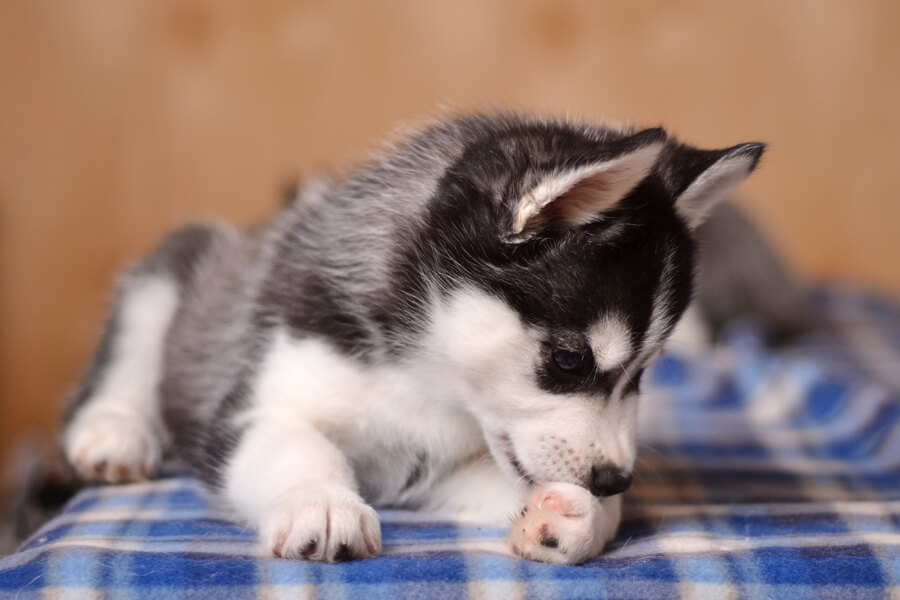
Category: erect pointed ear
[703,178]
[574,197]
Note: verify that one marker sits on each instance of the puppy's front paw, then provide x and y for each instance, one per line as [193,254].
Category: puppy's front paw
[564,523]
[112,445]
[321,522]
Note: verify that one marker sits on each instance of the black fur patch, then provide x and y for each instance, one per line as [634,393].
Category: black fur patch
[312,306]
[218,438]
[417,472]
[179,253]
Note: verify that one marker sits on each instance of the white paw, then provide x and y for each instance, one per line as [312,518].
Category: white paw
[564,523]
[321,522]
[112,445]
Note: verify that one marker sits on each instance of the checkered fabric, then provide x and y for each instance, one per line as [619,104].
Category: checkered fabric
[764,474]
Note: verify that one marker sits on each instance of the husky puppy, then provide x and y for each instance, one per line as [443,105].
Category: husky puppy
[459,326]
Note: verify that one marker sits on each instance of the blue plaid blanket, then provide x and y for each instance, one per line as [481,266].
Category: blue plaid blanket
[764,474]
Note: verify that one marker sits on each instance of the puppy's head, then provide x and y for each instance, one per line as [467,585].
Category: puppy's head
[565,257]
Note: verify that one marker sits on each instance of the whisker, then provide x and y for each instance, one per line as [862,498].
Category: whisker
[625,371]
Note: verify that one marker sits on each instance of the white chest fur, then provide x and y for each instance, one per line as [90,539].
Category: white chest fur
[397,436]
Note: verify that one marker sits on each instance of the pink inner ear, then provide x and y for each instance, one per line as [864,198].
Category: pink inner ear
[575,198]
[714,185]
[584,201]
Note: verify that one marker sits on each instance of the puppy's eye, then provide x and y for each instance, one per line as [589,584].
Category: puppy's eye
[567,360]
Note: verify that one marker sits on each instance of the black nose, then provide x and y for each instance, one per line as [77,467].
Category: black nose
[607,481]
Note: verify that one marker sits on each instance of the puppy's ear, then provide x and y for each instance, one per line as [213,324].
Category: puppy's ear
[700,179]
[574,197]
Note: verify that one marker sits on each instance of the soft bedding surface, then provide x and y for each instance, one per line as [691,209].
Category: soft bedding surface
[763,474]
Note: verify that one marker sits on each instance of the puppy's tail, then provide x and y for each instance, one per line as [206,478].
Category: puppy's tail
[741,276]
[37,484]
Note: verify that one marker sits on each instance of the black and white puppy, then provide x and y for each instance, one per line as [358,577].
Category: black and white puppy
[459,326]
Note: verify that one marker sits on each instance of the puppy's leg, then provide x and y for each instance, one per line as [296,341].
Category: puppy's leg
[291,482]
[114,434]
[476,491]
[556,522]
[113,428]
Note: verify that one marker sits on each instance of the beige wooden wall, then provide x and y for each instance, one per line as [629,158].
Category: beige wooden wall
[119,120]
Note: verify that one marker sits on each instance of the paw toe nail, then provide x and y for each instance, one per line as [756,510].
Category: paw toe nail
[278,549]
[310,547]
[99,468]
[343,553]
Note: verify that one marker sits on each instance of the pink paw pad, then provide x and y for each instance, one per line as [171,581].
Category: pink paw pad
[556,503]
[561,523]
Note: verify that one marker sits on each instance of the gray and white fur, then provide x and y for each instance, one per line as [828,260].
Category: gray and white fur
[458,326]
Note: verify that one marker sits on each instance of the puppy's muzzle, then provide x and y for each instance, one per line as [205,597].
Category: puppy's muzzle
[608,481]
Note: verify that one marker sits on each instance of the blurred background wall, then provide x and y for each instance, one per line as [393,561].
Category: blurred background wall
[120,120]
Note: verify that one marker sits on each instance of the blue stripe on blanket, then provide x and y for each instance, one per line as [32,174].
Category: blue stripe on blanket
[762,474]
